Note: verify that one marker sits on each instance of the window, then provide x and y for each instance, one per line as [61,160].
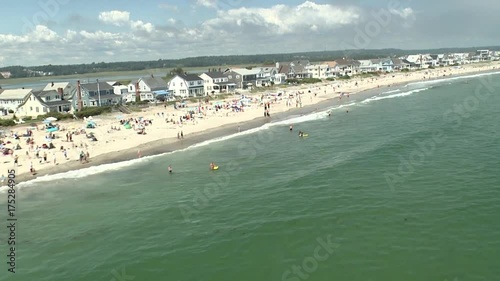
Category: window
[57,97]
[230,76]
[37,109]
[31,108]
[44,109]
[237,77]
[47,98]
[84,103]
[173,84]
[191,83]
[131,88]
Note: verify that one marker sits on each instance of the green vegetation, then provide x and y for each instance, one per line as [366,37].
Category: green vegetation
[7,122]
[220,61]
[304,81]
[345,77]
[92,111]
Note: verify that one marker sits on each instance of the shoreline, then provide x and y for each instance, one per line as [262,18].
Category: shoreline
[170,144]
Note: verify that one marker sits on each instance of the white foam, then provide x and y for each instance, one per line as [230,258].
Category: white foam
[403,94]
[393,91]
[442,80]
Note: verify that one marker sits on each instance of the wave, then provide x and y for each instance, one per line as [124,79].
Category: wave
[390,92]
[442,80]
[403,94]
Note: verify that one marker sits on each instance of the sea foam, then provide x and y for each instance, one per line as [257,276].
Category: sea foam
[398,95]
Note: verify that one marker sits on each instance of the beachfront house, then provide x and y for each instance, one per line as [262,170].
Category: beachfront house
[42,102]
[95,94]
[266,76]
[366,66]
[152,86]
[215,82]
[118,88]
[348,67]
[63,88]
[245,78]
[398,64]
[11,99]
[186,85]
[319,71]
[294,70]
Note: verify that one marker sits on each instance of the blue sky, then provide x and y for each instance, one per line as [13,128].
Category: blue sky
[67,31]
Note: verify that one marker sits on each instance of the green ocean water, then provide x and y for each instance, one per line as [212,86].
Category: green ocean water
[405,186]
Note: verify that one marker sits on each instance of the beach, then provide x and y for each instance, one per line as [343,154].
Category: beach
[205,122]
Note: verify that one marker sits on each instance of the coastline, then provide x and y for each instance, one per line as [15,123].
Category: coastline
[166,142]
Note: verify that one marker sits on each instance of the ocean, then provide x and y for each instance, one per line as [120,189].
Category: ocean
[402,183]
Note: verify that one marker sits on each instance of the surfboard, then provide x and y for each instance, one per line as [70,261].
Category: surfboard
[216,167]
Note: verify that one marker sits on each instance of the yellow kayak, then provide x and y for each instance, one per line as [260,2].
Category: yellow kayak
[216,168]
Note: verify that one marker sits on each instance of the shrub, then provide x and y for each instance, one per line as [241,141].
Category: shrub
[11,111]
[92,111]
[7,122]
[58,115]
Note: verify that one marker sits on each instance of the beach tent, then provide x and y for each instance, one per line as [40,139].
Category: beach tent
[53,129]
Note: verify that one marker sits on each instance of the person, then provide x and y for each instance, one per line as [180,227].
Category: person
[212,165]
[170,169]
[291,127]
[32,170]
[301,134]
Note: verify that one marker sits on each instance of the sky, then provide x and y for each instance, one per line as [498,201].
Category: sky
[39,32]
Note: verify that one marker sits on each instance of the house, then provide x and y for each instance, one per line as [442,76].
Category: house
[118,88]
[216,82]
[63,88]
[294,70]
[11,99]
[398,64]
[151,86]
[483,55]
[6,74]
[186,85]
[42,102]
[266,76]
[95,94]
[247,77]
[319,71]
[348,67]
[366,66]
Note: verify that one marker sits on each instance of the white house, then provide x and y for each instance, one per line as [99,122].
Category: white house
[266,76]
[348,67]
[216,82]
[11,99]
[319,71]
[42,102]
[366,66]
[186,85]
[151,86]
[63,88]
[119,88]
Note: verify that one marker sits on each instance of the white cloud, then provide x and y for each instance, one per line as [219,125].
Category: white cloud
[403,13]
[207,3]
[117,18]
[278,28]
[283,19]
[168,7]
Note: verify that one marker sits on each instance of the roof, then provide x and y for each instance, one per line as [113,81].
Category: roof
[93,86]
[155,83]
[55,86]
[190,77]
[348,62]
[44,93]
[215,74]
[14,94]
[331,63]
[244,71]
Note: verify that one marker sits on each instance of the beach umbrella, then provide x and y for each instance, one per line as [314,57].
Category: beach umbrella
[46,121]
[52,119]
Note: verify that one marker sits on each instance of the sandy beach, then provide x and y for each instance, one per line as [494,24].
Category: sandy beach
[205,121]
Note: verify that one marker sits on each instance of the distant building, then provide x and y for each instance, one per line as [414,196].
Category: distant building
[42,102]
[11,99]
[92,93]
[6,74]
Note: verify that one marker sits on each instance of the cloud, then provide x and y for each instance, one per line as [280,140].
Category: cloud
[118,18]
[403,13]
[168,7]
[237,29]
[282,19]
[207,3]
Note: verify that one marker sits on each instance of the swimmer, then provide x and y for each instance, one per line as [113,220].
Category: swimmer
[170,169]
